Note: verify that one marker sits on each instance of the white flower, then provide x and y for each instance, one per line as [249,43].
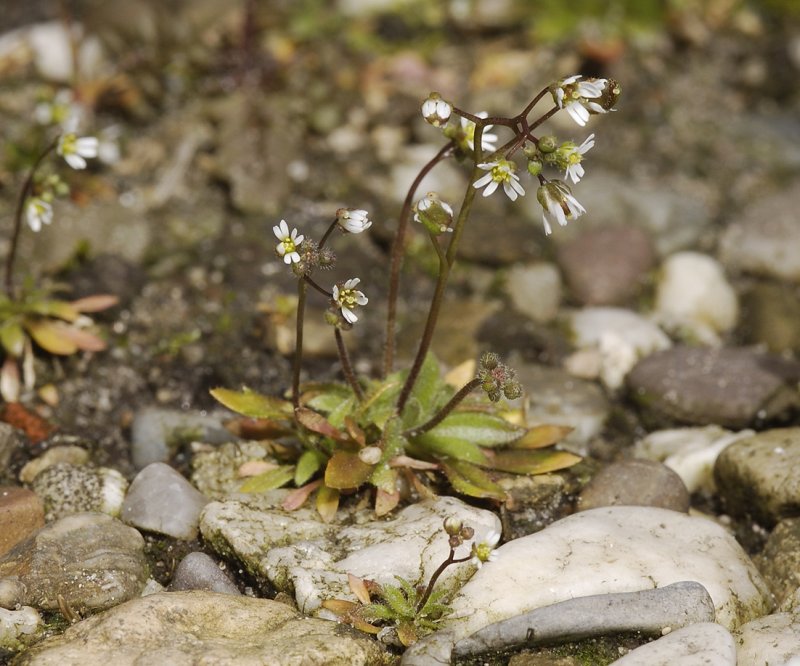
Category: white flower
[576,97]
[558,204]
[354,220]
[74,150]
[347,298]
[500,171]
[572,156]
[488,140]
[435,110]
[484,551]
[62,110]
[37,213]
[287,248]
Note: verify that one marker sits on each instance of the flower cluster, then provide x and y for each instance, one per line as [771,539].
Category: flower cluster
[558,204]
[497,379]
[578,97]
[500,172]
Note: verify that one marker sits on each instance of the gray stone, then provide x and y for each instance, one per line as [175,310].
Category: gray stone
[774,639]
[161,500]
[75,455]
[187,628]
[198,571]
[89,560]
[18,628]
[779,561]
[215,469]
[535,290]
[765,238]
[701,644]
[760,476]
[157,432]
[636,482]
[607,265]
[698,385]
[649,611]
[66,489]
[773,316]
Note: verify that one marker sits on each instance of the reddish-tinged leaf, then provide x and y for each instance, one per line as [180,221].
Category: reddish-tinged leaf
[359,588]
[520,461]
[296,498]
[95,303]
[317,423]
[422,490]
[251,403]
[248,428]
[543,435]
[327,503]
[49,335]
[363,625]
[340,606]
[83,339]
[254,468]
[346,470]
[412,463]
[385,502]
[355,432]
[33,425]
[9,380]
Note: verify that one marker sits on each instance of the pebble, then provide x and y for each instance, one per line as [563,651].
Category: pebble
[18,628]
[91,560]
[690,452]
[535,290]
[198,627]
[296,552]
[215,470]
[66,489]
[648,611]
[638,483]
[607,265]
[74,455]
[760,476]
[21,513]
[618,338]
[694,298]
[161,500]
[774,639]
[772,317]
[765,238]
[157,432]
[701,644]
[701,386]
[198,571]
[779,561]
[11,440]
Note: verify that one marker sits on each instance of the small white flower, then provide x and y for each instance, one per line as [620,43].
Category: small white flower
[62,110]
[500,171]
[347,298]
[37,213]
[572,157]
[558,204]
[435,110]
[353,220]
[484,551]
[576,97]
[488,140]
[287,247]
[75,150]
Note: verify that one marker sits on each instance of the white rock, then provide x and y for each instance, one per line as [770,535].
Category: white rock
[607,550]
[535,290]
[701,644]
[618,337]
[690,452]
[694,297]
[774,639]
[15,625]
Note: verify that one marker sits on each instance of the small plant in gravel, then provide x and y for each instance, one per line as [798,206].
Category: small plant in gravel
[33,315]
[337,438]
[410,611]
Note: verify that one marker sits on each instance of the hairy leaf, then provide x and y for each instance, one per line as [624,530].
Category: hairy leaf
[317,423]
[269,480]
[429,388]
[251,403]
[441,447]
[397,602]
[471,480]
[543,435]
[407,633]
[346,470]
[478,428]
[308,463]
[521,461]
[379,404]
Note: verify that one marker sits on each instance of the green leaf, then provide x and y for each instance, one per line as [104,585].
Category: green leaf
[12,337]
[397,602]
[343,410]
[521,461]
[60,309]
[269,480]
[256,405]
[471,480]
[542,435]
[326,398]
[478,428]
[379,403]
[432,444]
[346,470]
[307,465]
[327,503]
[428,388]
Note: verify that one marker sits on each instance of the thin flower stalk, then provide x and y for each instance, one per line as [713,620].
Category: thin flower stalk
[302,287]
[347,366]
[465,390]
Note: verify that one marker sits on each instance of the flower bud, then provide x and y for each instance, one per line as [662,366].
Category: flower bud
[353,220]
[435,214]
[489,361]
[534,167]
[547,144]
[435,110]
[453,525]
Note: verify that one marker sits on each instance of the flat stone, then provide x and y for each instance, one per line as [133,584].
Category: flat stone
[636,482]
[774,639]
[760,476]
[297,553]
[21,513]
[700,386]
[66,489]
[779,561]
[74,455]
[161,500]
[90,560]
[198,571]
[701,644]
[649,612]
[607,265]
[187,628]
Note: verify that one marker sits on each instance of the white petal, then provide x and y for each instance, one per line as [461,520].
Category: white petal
[352,283]
[298,239]
[293,256]
[578,113]
[75,161]
[510,193]
[348,314]
[87,146]
[287,259]
[361,299]
[281,249]
[570,79]
[490,188]
[483,180]
[336,292]
[547,228]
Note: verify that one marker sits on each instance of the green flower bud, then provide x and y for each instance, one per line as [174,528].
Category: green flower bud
[534,167]
[547,144]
